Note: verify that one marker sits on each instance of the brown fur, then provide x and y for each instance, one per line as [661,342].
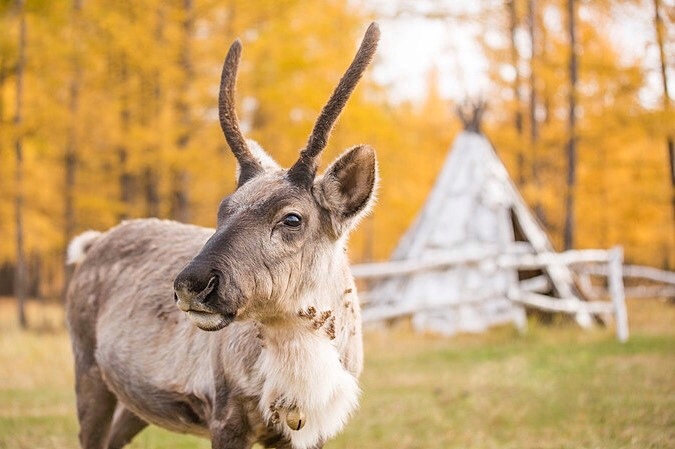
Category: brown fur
[228,116]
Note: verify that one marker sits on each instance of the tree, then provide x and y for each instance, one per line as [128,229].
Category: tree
[534,126]
[571,127]
[125,179]
[515,63]
[20,273]
[180,200]
[532,27]
[71,149]
[154,110]
[670,142]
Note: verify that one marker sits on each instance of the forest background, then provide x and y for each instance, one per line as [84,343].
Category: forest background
[108,112]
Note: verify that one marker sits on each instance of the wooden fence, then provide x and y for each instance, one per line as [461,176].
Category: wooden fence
[526,292]
[661,282]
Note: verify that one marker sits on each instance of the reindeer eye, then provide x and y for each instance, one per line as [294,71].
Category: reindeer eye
[292,220]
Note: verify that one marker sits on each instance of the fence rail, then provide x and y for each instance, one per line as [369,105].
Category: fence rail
[526,292]
[633,271]
[518,257]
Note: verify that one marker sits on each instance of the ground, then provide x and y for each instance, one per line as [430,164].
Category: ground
[555,387]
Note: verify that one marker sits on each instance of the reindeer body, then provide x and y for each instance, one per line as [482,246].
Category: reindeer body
[160,367]
[249,332]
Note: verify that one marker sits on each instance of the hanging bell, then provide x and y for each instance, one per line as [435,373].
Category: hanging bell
[295,419]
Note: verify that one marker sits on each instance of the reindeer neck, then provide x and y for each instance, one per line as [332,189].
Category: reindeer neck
[318,313]
[317,306]
[302,367]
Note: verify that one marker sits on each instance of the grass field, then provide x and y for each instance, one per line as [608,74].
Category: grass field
[556,387]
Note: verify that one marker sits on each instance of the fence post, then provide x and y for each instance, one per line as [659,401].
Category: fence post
[616,290]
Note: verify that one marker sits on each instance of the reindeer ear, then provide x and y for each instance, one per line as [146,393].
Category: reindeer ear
[347,188]
[265,160]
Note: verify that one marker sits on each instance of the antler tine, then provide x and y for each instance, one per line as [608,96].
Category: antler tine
[229,122]
[304,169]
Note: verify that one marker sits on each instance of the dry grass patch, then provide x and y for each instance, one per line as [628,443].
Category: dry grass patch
[555,387]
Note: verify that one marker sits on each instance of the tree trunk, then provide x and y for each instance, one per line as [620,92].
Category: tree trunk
[670,141]
[151,193]
[543,56]
[180,203]
[125,179]
[70,157]
[152,198]
[534,126]
[531,24]
[125,187]
[518,118]
[572,130]
[3,127]
[3,79]
[20,273]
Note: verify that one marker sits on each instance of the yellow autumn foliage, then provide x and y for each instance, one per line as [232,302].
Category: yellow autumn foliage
[146,74]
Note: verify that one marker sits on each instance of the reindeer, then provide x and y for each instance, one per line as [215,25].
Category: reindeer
[272,279]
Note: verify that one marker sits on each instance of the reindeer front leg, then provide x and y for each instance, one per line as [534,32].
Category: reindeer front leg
[288,445]
[230,428]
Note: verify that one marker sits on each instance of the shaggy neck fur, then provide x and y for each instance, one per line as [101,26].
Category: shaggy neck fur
[301,364]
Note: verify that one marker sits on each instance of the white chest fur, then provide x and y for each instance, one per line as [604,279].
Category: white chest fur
[305,371]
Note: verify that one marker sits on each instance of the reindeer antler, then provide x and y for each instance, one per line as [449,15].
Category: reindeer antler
[304,170]
[229,122]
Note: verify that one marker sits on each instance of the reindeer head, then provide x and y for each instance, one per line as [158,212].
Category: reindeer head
[281,233]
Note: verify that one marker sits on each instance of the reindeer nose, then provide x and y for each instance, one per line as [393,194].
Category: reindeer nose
[191,290]
[184,298]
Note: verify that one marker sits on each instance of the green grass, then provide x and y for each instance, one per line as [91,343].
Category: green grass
[555,387]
